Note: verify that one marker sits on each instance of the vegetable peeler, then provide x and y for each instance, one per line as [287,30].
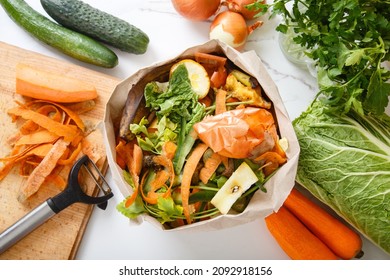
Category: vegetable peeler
[71,194]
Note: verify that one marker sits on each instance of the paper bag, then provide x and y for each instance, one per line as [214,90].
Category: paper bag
[277,188]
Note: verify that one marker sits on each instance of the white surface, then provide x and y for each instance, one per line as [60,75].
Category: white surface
[109,234]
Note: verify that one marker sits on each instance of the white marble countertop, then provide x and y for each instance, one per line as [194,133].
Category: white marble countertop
[109,234]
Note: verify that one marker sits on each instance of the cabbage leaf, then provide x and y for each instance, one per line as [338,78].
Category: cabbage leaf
[345,163]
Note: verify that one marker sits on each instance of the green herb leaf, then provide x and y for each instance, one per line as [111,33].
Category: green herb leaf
[378,94]
[349,41]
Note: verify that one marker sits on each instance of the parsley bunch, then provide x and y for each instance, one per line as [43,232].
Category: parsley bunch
[349,41]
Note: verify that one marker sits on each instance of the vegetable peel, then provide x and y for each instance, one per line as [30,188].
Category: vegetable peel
[235,133]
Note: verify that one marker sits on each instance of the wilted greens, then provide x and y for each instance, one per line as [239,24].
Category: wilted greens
[345,162]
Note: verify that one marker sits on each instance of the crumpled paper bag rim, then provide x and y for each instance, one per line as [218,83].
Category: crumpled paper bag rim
[278,186]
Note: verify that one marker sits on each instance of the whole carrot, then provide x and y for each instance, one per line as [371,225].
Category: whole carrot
[295,239]
[341,239]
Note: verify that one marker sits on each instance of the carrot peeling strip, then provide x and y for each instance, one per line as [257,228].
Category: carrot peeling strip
[220,101]
[130,200]
[72,157]
[31,150]
[125,151]
[38,137]
[37,177]
[137,160]
[210,167]
[68,132]
[152,196]
[75,117]
[168,164]
[82,107]
[271,160]
[35,150]
[28,127]
[57,180]
[160,180]
[188,172]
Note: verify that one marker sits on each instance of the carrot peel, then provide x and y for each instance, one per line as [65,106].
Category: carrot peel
[188,171]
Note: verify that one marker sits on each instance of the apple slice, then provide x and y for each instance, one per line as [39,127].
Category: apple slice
[240,181]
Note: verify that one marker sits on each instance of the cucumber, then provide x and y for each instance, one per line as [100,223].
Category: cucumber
[69,42]
[83,18]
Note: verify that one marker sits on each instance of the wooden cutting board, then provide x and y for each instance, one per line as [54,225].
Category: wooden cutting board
[59,237]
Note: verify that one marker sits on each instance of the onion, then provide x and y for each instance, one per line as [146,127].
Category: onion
[196,10]
[231,28]
[239,6]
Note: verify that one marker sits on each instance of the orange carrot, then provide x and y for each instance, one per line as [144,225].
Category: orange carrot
[295,239]
[210,166]
[35,83]
[220,101]
[341,239]
[169,149]
[188,171]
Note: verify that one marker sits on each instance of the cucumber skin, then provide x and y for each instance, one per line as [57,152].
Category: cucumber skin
[67,41]
[83,18]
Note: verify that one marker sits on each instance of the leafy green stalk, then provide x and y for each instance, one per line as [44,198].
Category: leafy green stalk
[178,103]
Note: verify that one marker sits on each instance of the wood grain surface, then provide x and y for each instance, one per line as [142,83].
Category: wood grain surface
[59,237]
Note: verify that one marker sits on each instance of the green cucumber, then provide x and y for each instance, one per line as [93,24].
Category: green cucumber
[71,43]
[83,18]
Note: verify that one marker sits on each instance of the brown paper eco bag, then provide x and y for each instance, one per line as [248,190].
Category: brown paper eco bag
[262,203]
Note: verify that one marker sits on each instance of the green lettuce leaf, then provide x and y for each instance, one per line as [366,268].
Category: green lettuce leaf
[177,101]
[153,141]
[345,163]
[134,210]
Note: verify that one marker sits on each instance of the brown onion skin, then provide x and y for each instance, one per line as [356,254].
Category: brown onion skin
[239,29]
[239,7]
[196,10]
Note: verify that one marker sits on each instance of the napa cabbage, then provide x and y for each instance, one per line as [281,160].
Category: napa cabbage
[345,163]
